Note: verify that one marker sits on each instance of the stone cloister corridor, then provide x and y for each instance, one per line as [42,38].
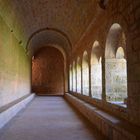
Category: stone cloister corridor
[49,118]
[69,69]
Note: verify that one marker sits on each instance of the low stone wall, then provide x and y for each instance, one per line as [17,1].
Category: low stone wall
[118,110]
[110,126]
[8,113]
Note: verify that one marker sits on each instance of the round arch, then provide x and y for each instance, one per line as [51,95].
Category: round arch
[115,39]
[78,69]
[54,38]
[70,78]
[74,76]
[61,50]
[116,65]
[96,70]
[85,74]
[44,33]
[48,36]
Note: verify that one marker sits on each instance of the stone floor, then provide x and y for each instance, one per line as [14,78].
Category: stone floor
[49,118]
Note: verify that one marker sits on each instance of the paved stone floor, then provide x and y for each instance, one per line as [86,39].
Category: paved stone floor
[49,118]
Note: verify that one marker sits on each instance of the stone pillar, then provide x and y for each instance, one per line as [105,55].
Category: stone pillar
[103,79]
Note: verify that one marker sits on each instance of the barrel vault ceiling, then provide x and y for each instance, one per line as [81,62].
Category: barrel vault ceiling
[27,18]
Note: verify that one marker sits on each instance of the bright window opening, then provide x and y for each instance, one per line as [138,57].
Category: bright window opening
[70,78]
[85,74]
[116,66]
[78,75]
[96,71]
[74,77]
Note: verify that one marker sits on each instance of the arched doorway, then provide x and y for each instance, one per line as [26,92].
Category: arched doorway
[48,72]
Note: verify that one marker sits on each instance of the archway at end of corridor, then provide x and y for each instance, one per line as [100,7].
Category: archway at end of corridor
[48,72]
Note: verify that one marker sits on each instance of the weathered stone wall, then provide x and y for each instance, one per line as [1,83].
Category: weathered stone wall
[127,14]
[48,72]
[14,67]
[109,125]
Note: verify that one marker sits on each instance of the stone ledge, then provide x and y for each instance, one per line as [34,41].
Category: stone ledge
[5,107]
[110,126]
[116,110]
[9,111]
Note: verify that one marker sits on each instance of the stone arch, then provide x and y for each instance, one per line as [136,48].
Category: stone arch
[62,51]
[85,74]
[120,54]
[47,36]
[115,65]
[115,38]
[78,69]
[96,71]
[74,76]
[70,78]
[51,37]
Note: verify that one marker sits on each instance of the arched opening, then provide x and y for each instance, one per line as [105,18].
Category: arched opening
[85,74]
[70,78]
[78,68]
[96,71]
[48,72]
[116,65]
[74,77]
